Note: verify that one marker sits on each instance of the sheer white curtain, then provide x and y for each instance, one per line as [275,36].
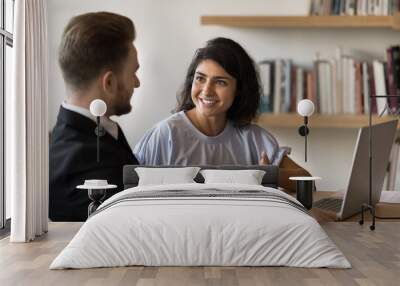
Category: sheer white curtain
[26,119]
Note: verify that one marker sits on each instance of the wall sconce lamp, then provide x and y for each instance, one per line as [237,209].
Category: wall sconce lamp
[98,108]
[305,108]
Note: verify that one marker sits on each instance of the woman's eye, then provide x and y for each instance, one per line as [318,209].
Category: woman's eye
[199,78]
[221,83]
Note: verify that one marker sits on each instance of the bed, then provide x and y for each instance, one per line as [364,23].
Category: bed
[201,224]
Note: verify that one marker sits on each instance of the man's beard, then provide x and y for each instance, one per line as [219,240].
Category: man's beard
[122,107]
[121,110]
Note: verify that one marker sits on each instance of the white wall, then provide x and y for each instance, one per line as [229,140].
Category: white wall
[170,31]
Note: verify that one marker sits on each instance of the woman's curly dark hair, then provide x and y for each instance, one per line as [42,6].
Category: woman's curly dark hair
[236,62]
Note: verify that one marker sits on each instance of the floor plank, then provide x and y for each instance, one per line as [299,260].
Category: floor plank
[375,257]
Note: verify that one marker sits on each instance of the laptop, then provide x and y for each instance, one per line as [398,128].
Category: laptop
[349,202]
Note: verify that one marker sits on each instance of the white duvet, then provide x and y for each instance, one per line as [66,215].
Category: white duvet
[200,231]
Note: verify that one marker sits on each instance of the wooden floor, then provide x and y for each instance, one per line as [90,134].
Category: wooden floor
[374,255]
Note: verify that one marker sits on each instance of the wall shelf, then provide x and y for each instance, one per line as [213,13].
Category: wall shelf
[292,120]
[388,22]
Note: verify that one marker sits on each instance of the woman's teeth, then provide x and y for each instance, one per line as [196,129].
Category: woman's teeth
[208,101]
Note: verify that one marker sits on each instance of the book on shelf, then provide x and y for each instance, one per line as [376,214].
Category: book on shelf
[301,82]
[277,94]
[353,7]
[339,85]
[338,81]
[380,86]
[266,77]
[325,86]
[372,89]
[348,85]
[350,7]
[362,8]
[286,85]
[312,88]
[293,91]
[365,87]
[359,109]
[391,84]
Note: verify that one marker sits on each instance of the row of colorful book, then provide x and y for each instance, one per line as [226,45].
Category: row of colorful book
[354,7]
[339,85]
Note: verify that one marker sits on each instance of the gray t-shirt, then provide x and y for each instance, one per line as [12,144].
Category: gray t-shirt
[176,141]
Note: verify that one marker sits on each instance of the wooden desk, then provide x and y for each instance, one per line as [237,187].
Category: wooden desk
[322,216]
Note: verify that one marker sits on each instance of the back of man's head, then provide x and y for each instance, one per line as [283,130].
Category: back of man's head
[92,43]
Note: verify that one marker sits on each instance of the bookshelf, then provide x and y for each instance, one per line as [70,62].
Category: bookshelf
[293,120]
[386,22]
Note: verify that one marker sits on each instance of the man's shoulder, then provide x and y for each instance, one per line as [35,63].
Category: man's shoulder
[71,121]
[68,134]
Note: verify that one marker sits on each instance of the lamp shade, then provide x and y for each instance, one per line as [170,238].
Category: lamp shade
[98,107]
[305,107]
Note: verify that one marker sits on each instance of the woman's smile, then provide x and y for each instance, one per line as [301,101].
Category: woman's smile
[208,102]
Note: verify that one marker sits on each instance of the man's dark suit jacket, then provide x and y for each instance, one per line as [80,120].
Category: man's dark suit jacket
[73,158]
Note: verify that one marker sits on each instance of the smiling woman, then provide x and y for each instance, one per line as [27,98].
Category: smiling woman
[213,93]
[234,75]
[219,100]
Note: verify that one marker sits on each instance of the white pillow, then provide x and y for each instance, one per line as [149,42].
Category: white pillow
[249,177]
[163,176]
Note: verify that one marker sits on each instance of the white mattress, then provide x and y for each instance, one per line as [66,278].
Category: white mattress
[200,231]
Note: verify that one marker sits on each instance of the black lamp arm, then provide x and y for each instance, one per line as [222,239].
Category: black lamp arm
[303,131]
[98,138]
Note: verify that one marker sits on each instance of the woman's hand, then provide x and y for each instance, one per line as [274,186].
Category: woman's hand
[264,159]
[288,168]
